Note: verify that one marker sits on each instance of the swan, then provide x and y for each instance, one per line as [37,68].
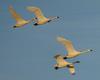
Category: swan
[19,20]
[69,47]
[61,63]
[40,18]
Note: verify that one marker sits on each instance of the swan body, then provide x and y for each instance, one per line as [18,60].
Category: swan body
[61,63]
[71,50]
[40,18]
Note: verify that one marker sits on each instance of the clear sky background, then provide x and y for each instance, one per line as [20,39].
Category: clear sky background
[27,53]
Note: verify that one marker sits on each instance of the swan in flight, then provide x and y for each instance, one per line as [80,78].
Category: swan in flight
[19,20]
[69,47]
[61,63]
[40,18]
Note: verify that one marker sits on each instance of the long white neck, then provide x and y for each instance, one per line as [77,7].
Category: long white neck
[52,18]
[86,51]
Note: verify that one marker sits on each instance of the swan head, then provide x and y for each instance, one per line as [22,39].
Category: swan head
[89,50]
[53,18]
[58,17]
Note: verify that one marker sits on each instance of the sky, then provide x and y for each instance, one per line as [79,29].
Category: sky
[28,53]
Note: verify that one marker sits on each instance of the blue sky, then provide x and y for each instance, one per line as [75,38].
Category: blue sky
[27,53]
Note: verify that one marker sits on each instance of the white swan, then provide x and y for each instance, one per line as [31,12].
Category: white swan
[19,20]
[40,18]
[61,63]
[69,47]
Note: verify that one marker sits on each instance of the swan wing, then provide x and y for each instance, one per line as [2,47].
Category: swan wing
[38,13]
[15,15]
[67,43]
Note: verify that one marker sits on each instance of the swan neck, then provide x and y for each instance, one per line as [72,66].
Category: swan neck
[85,51]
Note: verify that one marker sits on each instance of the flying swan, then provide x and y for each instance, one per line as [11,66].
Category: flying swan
[19,20]
[40,18]
[61,63]
[69,47]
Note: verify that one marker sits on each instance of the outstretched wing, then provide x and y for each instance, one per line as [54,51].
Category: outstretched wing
[59,59]
[15,15]
[71,69]
[67,43]
[38,13]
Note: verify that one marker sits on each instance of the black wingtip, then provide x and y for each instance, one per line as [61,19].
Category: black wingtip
[35,24]
[64,57]
[56,68]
